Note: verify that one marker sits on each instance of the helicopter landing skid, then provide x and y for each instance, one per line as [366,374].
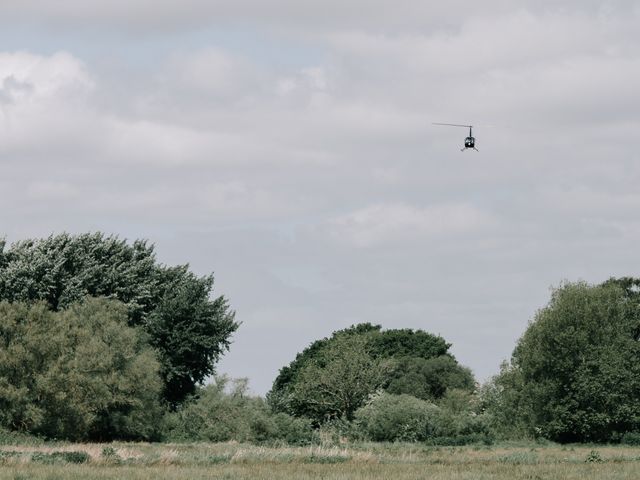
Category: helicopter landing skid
[469,148]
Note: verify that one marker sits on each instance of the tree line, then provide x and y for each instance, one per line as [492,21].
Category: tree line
[99,341]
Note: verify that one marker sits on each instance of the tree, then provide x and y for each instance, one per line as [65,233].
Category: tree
[429,378]
[337,386]
[415,362]
[502,401]
[77,374]
[577,366]
[189,330]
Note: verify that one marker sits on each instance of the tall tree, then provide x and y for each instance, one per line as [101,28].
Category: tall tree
[189,329]
[578,365]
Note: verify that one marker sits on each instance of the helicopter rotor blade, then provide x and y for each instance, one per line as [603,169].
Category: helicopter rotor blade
[454,125]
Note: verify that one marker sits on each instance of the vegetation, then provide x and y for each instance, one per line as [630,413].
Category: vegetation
[100,342]
[389,418]
[575,373]
[188,330]
[218,415]
[81,373]
[334,376]
[360,461]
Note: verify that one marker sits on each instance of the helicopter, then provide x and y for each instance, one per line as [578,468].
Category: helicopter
[470,141]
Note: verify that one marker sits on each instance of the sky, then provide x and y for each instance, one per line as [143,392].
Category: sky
[289,148]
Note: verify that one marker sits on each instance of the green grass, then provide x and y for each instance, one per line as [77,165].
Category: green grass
[53,461]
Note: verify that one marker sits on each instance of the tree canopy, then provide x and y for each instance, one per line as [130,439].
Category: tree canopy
[576,369]
[333,376]
[188,328]
[78,374]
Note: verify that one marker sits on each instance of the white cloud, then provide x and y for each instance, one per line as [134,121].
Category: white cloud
[44,101]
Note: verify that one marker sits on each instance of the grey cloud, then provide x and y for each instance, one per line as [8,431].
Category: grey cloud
[378,15]
[320,193]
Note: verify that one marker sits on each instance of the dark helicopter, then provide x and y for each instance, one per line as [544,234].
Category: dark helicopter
[470,141]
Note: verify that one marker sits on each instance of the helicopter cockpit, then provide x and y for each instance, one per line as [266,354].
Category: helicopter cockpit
[469,142]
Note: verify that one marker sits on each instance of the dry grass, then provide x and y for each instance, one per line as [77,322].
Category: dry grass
[360,461]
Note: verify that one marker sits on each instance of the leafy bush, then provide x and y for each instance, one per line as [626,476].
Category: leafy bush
[594,457]
[388,417]
[630,438]
[223,411]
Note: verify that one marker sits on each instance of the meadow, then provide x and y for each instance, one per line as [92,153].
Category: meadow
[397,461]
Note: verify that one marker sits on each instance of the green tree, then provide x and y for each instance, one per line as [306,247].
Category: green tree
[339,384]
[429,378]
[188,328]
[415,362]
[577,367]
[78,374]
[502,401]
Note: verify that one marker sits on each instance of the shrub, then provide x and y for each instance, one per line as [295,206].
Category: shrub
[389,418]
[630,438]
[594,457]
[223,411]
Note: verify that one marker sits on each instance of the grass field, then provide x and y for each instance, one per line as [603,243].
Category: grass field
[362,461]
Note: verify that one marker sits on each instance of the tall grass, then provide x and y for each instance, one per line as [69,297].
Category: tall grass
[398,461]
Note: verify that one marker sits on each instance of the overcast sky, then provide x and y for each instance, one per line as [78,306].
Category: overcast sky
[288,147]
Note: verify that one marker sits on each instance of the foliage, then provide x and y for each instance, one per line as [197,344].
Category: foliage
[502,400]
[314,352]
[594,457]
[189,330]
[631,438]
[429,378]
[320,382]
[336,387]
[217,415]
[77,374]
[576,370]
[388,417]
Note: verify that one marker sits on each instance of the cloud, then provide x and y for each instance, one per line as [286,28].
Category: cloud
[312,181]
[142,16]
[400,223]
[42,99]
